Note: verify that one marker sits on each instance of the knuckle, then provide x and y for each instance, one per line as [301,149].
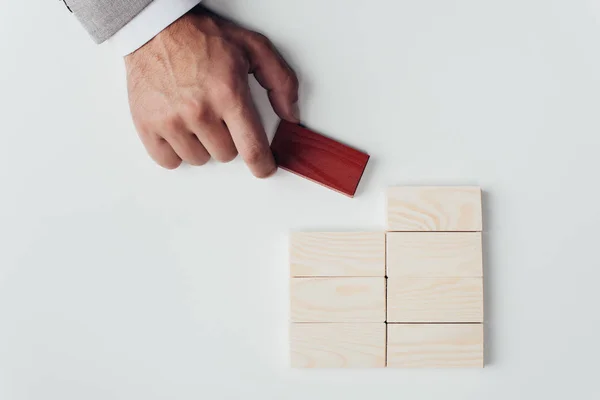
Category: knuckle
[198,161]
[163,155]
[261,40]
[171,165]
[291,83]
[229,91]
[226,91]
[169,162]
[236,60]
[226,156]
[231,55]
[196,155]
[295,82]
[170,124]
[194,110]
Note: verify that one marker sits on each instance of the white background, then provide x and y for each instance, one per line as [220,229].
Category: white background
[120,280]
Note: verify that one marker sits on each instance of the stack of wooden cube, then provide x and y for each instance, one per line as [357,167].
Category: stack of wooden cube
[410,297]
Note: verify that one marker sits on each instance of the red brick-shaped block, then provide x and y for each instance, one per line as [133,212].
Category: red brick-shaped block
[318,158]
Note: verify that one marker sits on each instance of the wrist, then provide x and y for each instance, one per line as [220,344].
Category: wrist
[154,19]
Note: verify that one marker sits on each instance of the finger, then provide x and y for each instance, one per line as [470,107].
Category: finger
[249,137]
[188,148]
[275,75]
[216,138]
[160,151]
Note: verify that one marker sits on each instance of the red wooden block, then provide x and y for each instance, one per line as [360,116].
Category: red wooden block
[318,158]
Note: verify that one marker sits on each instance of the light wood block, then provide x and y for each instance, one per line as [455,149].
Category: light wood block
[331,345]
[435,300]
[337,299]
[450,209]
[435,345]
[337,254]
[434,254]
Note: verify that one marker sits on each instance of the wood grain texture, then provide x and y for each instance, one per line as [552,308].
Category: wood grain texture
[450,209]
[327,345]
[434,254]
[435,300]
[337,299]
[337,254]
[318,158]
[435,345]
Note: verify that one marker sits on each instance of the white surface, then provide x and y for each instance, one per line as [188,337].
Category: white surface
[120,280]
[150,22]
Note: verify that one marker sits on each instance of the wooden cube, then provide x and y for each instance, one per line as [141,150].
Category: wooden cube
[337,254]
[435,300]
[435,345]
[434,254]
[334,345]
[450,209]
[318,158]
[337,299]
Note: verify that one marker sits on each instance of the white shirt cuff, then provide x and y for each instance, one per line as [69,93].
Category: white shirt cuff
[150,22]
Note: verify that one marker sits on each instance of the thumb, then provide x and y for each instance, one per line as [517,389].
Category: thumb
[275,75]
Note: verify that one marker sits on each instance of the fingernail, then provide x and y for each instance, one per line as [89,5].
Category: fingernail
[296,112]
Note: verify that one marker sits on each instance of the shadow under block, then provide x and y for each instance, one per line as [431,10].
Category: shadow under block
[337,299]
[434,300]
[435,345]
[318,158]
[434,254]
[331,345]
[450,209]
[337,254]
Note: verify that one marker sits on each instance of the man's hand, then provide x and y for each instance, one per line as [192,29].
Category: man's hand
[189,94]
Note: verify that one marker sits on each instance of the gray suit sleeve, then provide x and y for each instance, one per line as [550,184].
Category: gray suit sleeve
[104,18]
